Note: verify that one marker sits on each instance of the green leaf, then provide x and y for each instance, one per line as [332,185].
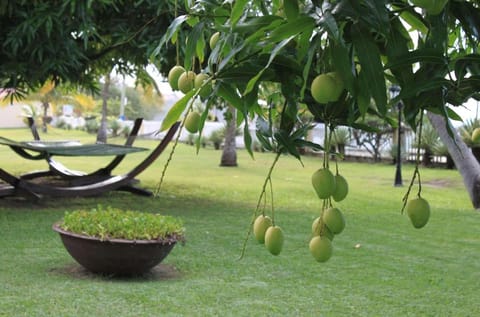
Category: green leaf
[398,45]
[193,20]
[250,100]
[286,144]
[264,141]
[252,82]
[467,64]
[376,15]
[423,55]
[415,20]
[308,144]
[290,8]
[240,118]
[343,64]
[424,86]
[329,23]
[465,89]
[226,60]
[200,48]
[237,11]
[312,51]
[230,95]
[175,112]
[450,112]
[450,128]
[371,63]
[365,127]
[192,40]
[247,138]
[303,45]
[468,16]
[203,118]
[259,33]
[252,25]
[302,24]
[363,94]
[171,30]
[241,73]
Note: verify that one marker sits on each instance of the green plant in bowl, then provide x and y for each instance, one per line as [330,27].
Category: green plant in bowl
[114,223]
[119,242]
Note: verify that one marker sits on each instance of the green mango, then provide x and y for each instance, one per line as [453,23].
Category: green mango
[274,240]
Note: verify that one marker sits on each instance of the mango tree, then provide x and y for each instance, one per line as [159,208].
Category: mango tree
[335,59]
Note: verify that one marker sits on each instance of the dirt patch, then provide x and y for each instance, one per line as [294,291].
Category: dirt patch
[157,273]
[438,183]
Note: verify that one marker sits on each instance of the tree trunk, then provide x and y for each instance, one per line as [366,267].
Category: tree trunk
[476,152]
[229,154]
[341,149]
[427,158]
[102,130]
[450,162]
[461,154]
[45,106]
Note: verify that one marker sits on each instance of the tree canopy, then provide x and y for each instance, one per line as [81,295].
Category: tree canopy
[430,53]
[74,42]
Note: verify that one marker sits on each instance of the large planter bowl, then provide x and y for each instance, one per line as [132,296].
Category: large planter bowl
[115,256]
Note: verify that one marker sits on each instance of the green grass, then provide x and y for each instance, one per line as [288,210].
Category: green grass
[397,271]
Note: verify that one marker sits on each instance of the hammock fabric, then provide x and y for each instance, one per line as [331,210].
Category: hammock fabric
[71,148]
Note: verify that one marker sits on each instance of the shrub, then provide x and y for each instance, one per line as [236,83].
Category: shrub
[113,223]
[92,125]
[341,137]
[114,125]
[217,138]
[126,131]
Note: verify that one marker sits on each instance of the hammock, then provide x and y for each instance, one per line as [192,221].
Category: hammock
[68,148]
[95,186]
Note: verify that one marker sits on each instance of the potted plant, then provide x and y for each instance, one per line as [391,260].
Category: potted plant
[118,242]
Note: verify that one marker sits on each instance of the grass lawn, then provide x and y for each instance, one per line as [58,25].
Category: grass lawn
[396,271]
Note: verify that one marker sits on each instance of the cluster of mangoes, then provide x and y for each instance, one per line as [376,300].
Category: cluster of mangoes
[185,81]
[331,222]
[267,233]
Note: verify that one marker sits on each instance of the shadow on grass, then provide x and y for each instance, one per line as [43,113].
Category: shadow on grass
[161,272]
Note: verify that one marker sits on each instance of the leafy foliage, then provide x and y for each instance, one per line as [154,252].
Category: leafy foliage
[113,223]
[75,41]
[371,44]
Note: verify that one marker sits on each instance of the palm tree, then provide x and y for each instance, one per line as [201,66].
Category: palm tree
[102,130]
[229,154]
